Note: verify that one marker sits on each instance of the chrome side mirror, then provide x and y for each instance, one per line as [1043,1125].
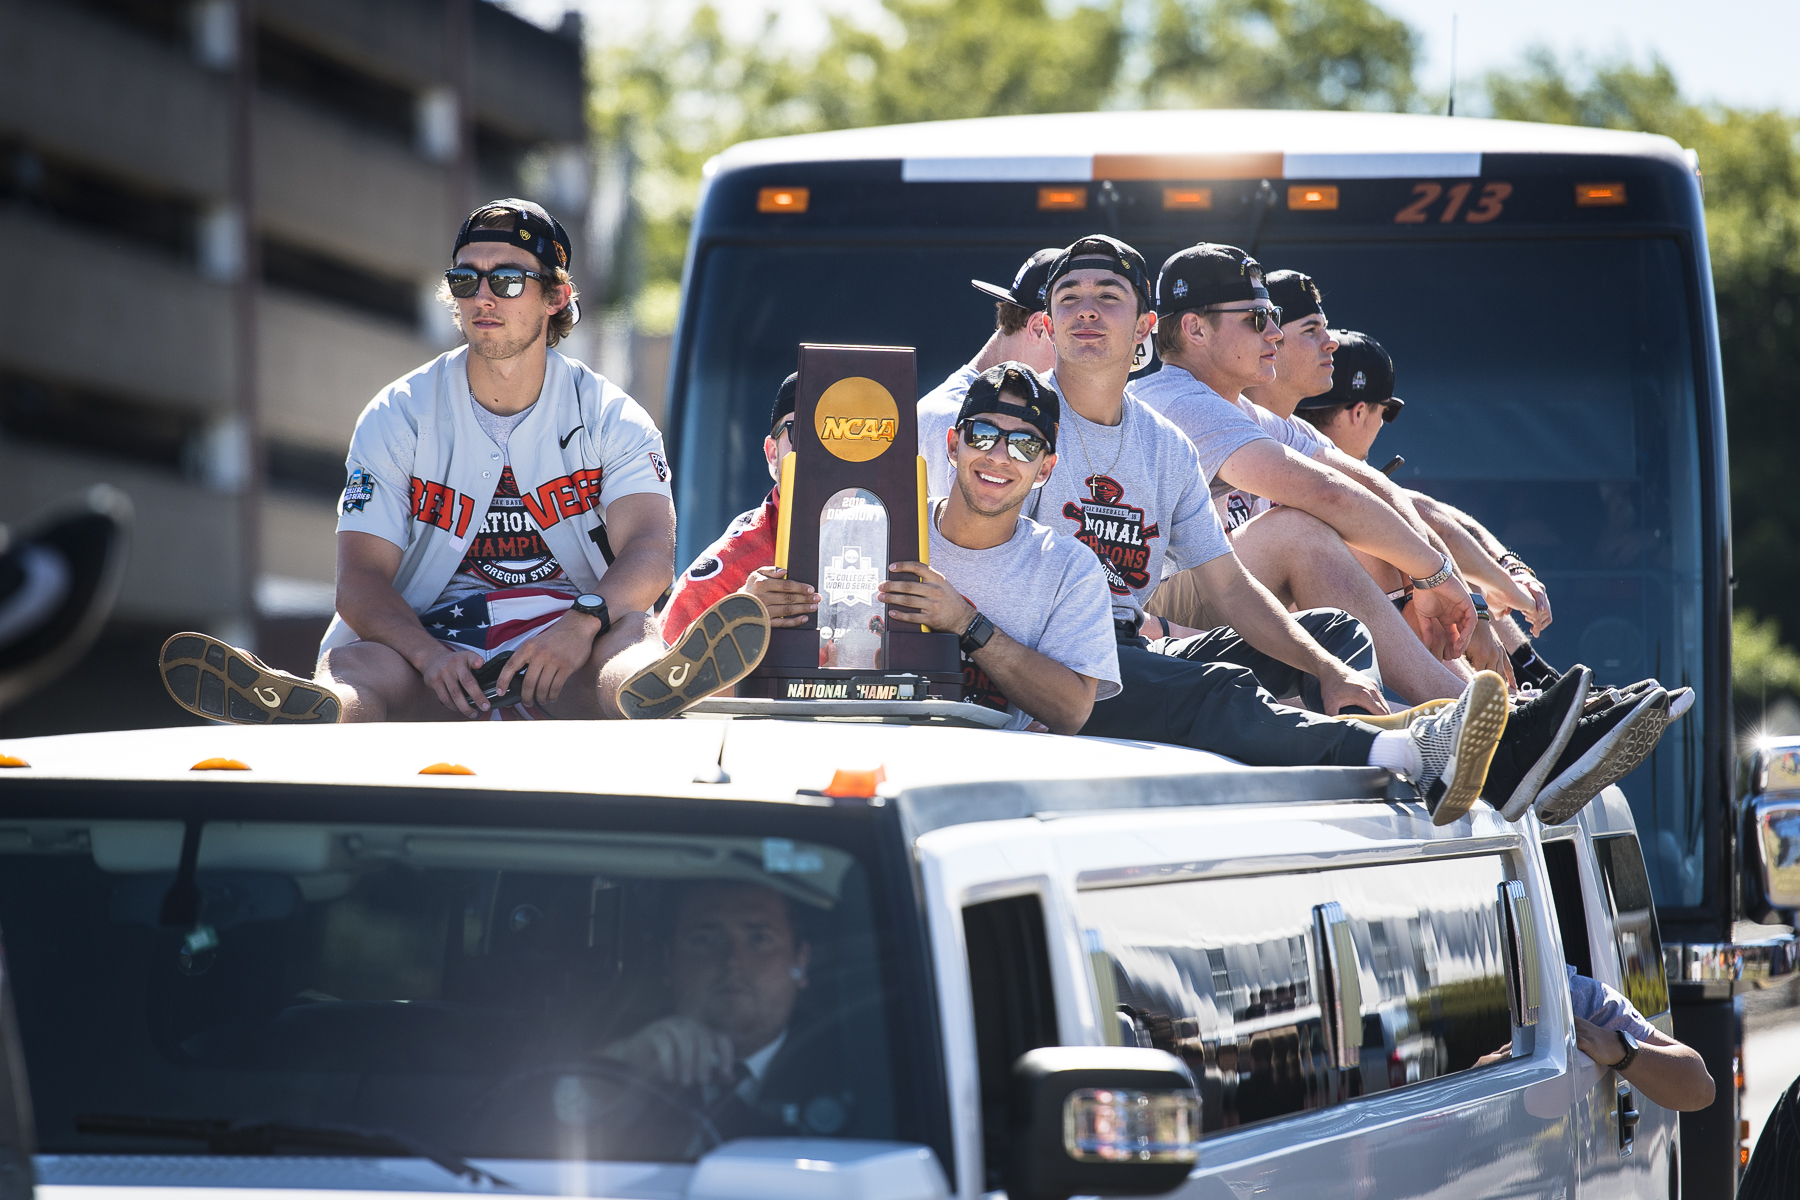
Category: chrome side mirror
[1101,1120]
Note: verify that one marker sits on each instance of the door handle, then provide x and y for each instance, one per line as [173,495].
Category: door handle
[1628,1118]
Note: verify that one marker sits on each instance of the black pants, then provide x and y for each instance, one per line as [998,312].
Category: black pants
[1342,635]
[1219,704]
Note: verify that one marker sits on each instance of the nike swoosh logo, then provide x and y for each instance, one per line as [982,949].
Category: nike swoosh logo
[268,696]
[563,444]
[679,675]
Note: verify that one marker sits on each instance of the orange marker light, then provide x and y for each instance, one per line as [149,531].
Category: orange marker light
[1187,197]
[1599,195]
[445,769]
[1302,197]
[220,764]
[12,760]
[1065,199]
[849,784]
[783,200]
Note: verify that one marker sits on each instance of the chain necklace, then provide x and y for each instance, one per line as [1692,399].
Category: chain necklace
[1124,412]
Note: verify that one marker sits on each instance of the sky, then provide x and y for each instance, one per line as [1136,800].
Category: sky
[1739,54]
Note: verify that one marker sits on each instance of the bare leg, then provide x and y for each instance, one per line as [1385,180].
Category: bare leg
[374,683]
[1306,564]
[632,644]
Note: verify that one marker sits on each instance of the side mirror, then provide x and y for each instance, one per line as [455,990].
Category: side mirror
[1101,1120]
[17,1179]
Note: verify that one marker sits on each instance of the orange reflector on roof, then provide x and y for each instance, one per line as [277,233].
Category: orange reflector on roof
[220,764]
[1065,198]
[12,760]
[445,769]
[1304,197]
[1187,197]
[1599,195]
[783,200]
[850,784]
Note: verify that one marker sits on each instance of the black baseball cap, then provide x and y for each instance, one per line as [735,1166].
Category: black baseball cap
[1029,286]
[784,401]
[1296,295]
[1043,411]
[532,229]
[1361,372]
[1101,253]
[1207,274]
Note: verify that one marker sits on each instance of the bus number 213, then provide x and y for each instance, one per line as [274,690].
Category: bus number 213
[1485,208]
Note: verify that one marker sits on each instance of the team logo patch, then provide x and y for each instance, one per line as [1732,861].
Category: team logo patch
[1179,288]
[1359,381]
[660,465]
[705,568]
[1115,531]
[358,491]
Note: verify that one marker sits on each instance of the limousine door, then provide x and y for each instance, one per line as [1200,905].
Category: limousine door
[1368,1004]
[17,1179]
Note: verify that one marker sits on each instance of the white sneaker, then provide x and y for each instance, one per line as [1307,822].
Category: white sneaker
[1456,744]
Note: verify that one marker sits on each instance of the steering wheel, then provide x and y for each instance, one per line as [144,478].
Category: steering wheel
[552,1111]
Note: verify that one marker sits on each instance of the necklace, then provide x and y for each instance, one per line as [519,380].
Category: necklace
[1124,412]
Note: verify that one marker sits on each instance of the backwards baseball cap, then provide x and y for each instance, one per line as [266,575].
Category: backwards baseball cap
[1097,252]
[784,401]
[1207,274]
[1296,295]
[1029,286]
[1361,372]
[532,229]
[1042,410]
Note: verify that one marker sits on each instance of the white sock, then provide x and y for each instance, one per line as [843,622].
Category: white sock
[1396,750]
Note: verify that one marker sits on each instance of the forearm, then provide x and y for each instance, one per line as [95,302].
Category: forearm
[370,606]
[1259,619]
[1672,1076]
[1367,524]
[1040,685]
[1389,492]
[1471,546]
[638,575]
[1438,513]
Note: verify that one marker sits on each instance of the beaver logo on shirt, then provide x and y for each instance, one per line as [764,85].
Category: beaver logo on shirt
[1116,532]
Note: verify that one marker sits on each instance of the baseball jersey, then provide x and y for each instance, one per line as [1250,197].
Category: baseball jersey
[747,543]
[423,473]
[1220,428]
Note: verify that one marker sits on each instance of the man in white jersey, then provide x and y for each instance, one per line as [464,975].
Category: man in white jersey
[1020,335]
[502,499]
[1030,604]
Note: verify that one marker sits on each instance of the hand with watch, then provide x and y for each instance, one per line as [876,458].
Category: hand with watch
[1613,1048]
[548,659]
[1448,613]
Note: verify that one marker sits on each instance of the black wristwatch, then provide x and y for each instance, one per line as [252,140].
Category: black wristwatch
[977,634]
[593,606]
[1481,606]
[1631,1050]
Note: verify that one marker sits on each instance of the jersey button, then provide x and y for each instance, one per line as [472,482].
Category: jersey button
[485,474]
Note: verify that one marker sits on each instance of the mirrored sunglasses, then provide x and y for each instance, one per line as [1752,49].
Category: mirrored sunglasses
[1021,444]
[507,283]
[1259,317]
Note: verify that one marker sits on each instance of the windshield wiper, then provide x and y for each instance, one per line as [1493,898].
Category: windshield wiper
[223,1136]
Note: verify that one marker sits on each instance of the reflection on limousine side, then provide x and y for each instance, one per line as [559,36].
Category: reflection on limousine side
[1231,975]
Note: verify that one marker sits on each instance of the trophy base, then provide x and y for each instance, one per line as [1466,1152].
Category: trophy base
[920,666]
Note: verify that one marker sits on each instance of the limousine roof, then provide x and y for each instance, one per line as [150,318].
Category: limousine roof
[1194,144]
[945,775]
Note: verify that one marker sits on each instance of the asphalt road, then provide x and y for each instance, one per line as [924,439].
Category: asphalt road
[1771,1051]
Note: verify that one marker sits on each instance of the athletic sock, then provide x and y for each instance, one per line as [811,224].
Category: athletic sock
[1396,750]
[1529,668]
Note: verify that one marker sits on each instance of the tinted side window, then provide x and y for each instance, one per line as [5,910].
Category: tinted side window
[1571,912]
[1634,922]
[1225,973]
[1015,1006]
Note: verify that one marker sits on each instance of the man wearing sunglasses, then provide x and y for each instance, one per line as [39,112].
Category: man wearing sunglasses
[1020,335]
[1030,604]
[502,499]
[747,543]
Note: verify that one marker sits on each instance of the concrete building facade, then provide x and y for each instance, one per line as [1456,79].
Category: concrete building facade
[375,125]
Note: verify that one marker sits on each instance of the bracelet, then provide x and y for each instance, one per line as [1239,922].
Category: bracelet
[1512,564]
[1436,579]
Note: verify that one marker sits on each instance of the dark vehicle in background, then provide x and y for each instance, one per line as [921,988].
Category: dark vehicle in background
[1546,294]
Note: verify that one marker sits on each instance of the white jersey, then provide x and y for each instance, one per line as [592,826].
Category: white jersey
[422,472]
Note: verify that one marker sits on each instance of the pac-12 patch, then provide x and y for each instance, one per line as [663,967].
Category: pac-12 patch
[358,491]
[661,466]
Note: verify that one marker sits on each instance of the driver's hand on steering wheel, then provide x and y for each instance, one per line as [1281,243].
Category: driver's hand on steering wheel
[677,1050]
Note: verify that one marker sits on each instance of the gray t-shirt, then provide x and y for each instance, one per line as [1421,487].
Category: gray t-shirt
[1044,591]
[937,416]
[1135,494]
[1220,428]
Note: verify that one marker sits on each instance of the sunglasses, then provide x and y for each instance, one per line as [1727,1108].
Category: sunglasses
[1389,410]
[1021,444]
[506,283]
[1259,317]
[783,429]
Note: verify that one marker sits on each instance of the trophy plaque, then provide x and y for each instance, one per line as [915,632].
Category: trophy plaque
[853,501]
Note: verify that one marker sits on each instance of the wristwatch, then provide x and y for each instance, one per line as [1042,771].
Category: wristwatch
[1437,578]
[593,606]
[977,634]
[1631,1050]
[1481,608]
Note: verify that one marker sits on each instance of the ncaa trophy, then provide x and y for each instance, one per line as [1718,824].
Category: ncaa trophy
[853,501]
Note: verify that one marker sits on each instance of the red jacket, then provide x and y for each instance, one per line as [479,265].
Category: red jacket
[747,543]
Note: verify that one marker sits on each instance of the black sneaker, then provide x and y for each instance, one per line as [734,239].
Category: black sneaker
[1535,737]
[1456,743]
[1606,747]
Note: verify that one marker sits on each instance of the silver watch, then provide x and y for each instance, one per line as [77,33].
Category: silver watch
[1437,578]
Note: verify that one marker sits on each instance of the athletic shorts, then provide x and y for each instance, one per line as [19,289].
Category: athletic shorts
[491,623]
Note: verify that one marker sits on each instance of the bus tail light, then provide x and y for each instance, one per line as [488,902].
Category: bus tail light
[1189,198]
[783,200]
[1599,195]
[1302,197]
[1063,199]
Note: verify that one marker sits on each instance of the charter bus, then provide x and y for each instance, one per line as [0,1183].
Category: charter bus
[1545,292]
